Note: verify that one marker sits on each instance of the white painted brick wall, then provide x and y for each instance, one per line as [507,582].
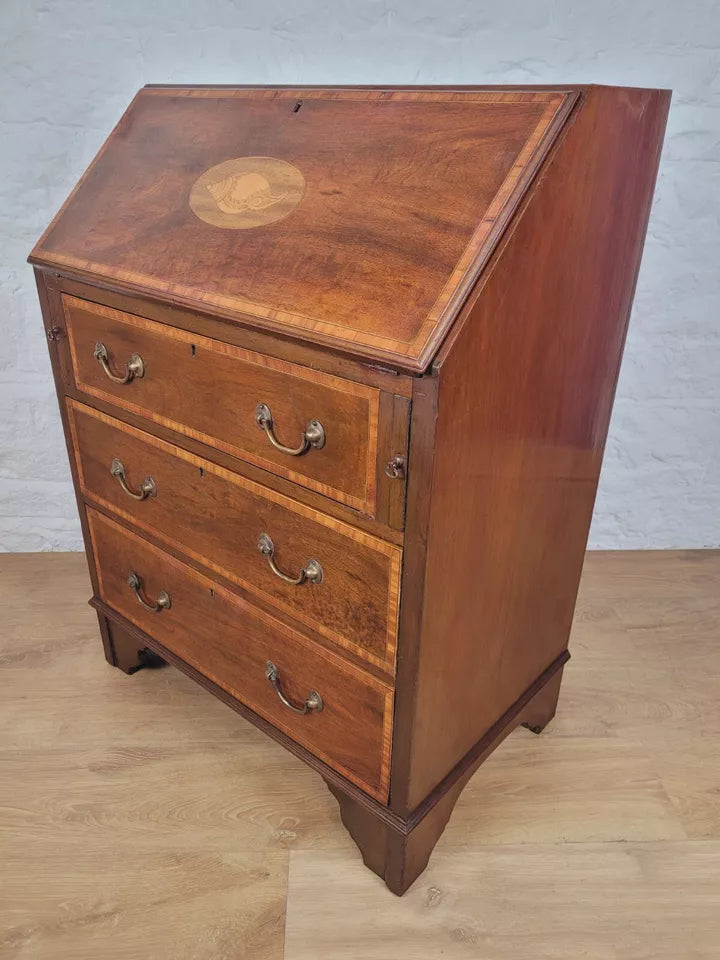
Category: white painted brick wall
[68,69]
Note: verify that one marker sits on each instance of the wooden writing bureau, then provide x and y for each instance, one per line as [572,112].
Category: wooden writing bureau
[335,368]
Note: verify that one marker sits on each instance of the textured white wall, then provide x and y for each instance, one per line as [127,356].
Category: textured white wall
[68,69]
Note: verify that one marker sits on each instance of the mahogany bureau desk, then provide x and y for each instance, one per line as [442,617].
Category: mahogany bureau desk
[335,368]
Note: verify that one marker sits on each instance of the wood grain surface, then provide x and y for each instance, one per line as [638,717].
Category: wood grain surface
[216,516]
[225,385]
[333,271]
[230,642]
[509,902]
[525,385]
[394,396]
[139,817]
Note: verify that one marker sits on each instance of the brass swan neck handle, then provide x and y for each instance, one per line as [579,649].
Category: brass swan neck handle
[312,438]
[312,571]
[148,488]
[163,601]
[135,367]
[313,703]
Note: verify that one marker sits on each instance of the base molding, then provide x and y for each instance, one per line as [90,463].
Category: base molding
[398,849]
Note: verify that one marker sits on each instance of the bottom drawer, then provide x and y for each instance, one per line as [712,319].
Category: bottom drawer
[231,642]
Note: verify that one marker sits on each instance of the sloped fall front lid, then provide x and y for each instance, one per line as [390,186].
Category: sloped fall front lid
[354,218]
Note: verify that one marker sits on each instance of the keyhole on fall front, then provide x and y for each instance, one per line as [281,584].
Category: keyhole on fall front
[192,349]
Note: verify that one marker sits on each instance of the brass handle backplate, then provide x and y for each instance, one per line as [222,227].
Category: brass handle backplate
[313,437]
[148,487]
[312,571]
[313,702]
[135,367]
[163,599]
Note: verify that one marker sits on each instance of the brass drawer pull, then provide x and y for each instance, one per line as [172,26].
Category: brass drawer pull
[163,599]
[135,367]
[314,435]
[312,571]
[148,487]
[314,701]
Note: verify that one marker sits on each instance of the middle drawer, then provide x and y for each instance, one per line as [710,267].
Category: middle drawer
[251,535]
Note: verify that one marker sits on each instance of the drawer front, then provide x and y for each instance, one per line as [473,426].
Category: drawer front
[210,391]
[231,642]
[217,517]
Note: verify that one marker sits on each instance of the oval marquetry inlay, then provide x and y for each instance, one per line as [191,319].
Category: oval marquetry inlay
[247,192]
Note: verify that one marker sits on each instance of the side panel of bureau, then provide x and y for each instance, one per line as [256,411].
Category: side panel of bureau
[525,387]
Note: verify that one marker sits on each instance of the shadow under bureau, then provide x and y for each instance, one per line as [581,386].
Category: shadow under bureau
[335,368]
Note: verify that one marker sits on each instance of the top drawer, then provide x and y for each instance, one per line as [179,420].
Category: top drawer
[211,391]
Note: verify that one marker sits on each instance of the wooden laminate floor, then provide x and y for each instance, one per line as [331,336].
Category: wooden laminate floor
[141,818]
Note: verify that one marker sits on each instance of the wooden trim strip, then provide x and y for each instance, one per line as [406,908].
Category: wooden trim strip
[416,94]
[383,547]
[337,662]
[327,380]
